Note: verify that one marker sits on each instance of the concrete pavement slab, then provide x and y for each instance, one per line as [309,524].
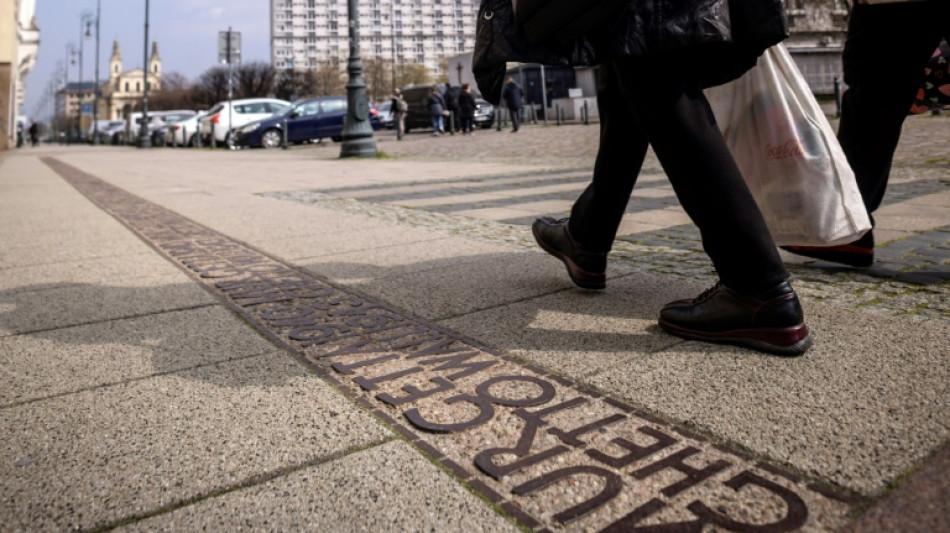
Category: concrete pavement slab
[98,458]
[83,303]
[384,488]
[366,266]
[484,282]
[574,332]
[82,271]
[65,360]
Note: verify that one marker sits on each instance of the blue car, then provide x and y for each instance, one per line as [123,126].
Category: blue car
[307,120]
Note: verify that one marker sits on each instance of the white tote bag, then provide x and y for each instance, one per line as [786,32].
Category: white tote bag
[789,155]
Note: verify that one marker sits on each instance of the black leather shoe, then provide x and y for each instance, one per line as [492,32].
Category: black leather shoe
[771,321]
[585,268]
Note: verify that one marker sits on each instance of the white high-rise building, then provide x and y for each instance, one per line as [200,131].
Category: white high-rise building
[307,34]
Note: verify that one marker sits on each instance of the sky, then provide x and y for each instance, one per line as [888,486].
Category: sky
[186,32]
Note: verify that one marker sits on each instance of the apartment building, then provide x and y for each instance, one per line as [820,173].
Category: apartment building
[307,34]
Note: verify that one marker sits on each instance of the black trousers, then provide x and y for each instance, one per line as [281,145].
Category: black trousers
[886,50]
[644,102]
[515,114]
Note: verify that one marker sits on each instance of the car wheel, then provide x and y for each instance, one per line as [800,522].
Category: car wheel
[271,138]
[193,141]
[336,138]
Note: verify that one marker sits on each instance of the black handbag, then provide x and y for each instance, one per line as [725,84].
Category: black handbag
[563,21]
[499,40]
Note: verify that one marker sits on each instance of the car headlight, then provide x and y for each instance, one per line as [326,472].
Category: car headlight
[249,128]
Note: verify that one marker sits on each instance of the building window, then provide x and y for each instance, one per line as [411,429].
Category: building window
[126,86]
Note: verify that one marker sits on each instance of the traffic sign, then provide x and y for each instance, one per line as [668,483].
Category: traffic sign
[229,47]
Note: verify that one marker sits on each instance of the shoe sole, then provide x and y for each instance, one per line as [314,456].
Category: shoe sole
[577,274]
[857,258]
[788,342]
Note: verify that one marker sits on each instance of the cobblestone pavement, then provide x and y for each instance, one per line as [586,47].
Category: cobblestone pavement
[910,278]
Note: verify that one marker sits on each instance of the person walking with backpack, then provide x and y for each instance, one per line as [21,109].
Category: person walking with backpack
[436,110]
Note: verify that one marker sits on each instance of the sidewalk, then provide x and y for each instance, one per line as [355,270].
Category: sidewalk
[251,340]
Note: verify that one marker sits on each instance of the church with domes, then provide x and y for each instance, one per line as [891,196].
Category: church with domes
[123,93]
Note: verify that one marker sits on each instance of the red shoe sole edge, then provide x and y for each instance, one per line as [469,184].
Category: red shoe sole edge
[793,341]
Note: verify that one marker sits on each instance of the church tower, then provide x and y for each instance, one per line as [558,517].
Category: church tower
[155,63]
[115,62]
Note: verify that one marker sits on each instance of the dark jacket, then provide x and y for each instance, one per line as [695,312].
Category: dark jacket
[512,95]
[451,97]
[436,104]
[466,104]
[716,40]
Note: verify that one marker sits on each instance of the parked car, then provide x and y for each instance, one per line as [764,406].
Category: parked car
[108,131]
[241,112]
[176,132]
[385,110]
[307,120]
[160,121]
[418,117]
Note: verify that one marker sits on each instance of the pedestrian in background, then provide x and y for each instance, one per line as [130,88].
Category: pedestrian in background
[34,133]
[436,110]
[656,58]
[512,95]
[399,109]
[467,110]
[887,47]
[451,97]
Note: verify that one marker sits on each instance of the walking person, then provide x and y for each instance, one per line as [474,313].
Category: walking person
[399,109]
[885,52]
[451,97]
[436,110]
[466,109]
[34,132]
[654,67]
[512,95]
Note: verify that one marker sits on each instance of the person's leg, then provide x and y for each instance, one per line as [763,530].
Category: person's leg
[752,305]
[886,50]
[515,118]
[582,241]
[679,124]
[597,213]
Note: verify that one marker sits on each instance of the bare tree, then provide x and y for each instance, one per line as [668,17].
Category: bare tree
[328,80]
[412,74]
[176,93]
[379,80]
[254,79]
[211,87]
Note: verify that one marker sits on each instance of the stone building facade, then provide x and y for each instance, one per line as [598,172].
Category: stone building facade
[818,29]
[19,43]
[125,88]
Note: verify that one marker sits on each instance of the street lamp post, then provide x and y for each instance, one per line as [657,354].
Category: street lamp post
[70,58]
[95,100]
[84,21]
[144,140]
[357,132]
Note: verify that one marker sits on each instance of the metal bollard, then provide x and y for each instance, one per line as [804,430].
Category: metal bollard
[837,97]
[283,143]
[586,113]
[534,115]
[184,137]
[214,142]
[557,114]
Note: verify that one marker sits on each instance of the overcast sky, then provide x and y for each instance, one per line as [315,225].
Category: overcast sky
[186,32]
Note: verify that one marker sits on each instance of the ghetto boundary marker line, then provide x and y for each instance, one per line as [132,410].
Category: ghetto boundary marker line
[550,453]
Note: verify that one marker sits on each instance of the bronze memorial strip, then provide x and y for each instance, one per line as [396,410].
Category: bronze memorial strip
[550,453]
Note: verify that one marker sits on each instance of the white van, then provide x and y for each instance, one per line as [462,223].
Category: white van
[240,112]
